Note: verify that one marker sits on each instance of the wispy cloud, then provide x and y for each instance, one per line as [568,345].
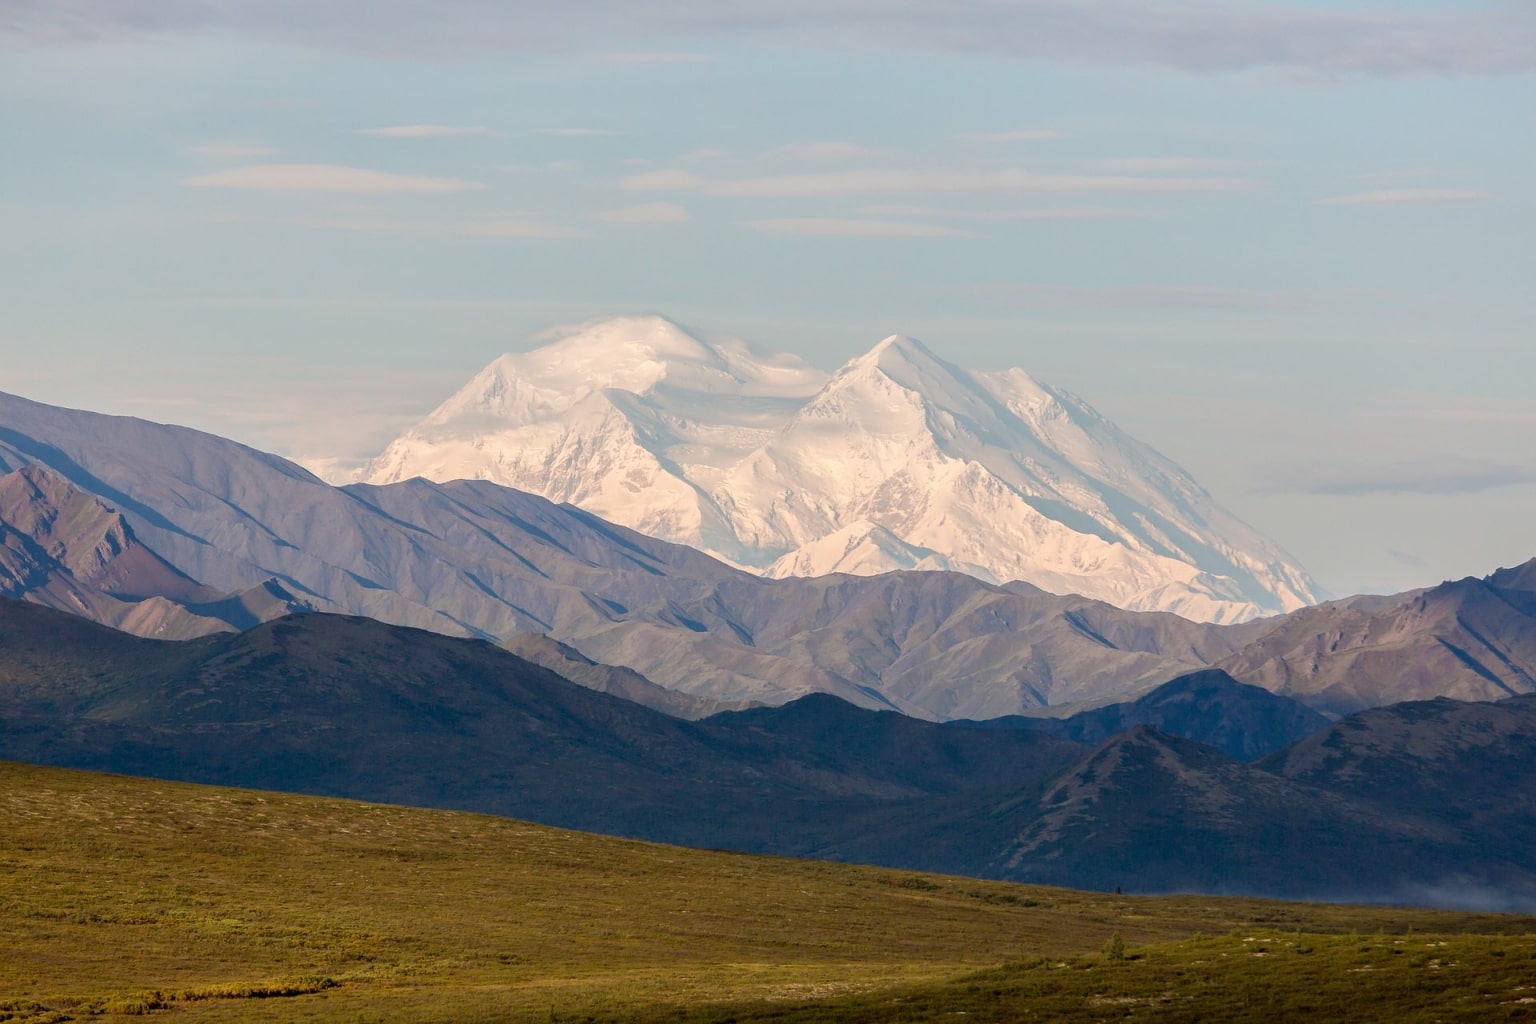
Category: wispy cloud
[825,151]
[645,213]
[1148,297]
[1407,558]
[325,178]
[506,226]
[1192,35]
[1176,165]
[1427,476]
[923,179]
[1408,197]
[1027,214]
[654,58]
[1400,174]
[1027,135]
[498,226]
[543,167]
[231,150]
[364,303]
[575,133]
[670,179]
[429,131]
[832,226]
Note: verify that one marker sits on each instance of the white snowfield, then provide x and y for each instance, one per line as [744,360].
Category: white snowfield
[898,460]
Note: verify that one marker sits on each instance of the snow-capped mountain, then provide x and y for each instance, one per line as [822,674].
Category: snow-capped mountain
[898,460]
[632,419]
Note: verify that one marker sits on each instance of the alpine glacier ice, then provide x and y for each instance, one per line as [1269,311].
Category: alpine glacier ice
[898,460]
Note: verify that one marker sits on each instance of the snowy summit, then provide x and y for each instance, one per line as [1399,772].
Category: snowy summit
[898,460]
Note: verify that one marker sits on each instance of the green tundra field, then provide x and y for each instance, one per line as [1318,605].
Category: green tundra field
[123,896]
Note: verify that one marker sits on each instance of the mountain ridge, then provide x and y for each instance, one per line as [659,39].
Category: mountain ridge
[1242,721]
[347,706]
[473,558]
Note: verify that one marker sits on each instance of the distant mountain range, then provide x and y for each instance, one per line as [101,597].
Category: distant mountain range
[474,558]
[1427,802]
[898,460]
[572,671]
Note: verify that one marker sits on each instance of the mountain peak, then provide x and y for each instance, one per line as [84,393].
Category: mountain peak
[65,548]
[898,379]
[905,360]
[901,345]
[1244,722]
[628,340]
[44,483]
[899,460]
[1517,577]
[630,353]
[69,525]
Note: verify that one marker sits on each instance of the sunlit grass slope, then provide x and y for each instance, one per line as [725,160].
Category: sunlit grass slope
[122,895]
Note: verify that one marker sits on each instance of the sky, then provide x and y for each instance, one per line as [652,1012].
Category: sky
[1290,244]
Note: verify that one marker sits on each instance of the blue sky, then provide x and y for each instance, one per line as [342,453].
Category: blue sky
[1289,244]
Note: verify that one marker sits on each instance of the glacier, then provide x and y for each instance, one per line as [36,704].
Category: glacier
[898,460]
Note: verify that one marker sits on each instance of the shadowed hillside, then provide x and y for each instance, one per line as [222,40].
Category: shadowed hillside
[346,706]
[1244,722]
[351,707]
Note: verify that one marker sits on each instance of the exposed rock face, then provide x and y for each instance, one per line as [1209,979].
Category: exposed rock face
[84,537]
[67,549]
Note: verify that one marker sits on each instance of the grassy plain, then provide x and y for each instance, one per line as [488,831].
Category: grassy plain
[122,896]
